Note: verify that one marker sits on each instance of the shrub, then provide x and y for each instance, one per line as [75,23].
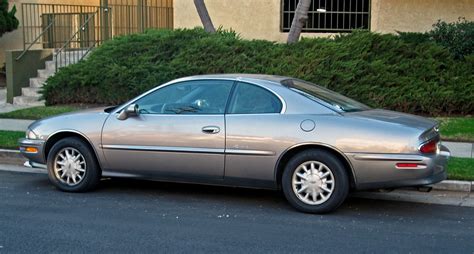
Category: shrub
[458,36]
[414,37]
[8,21]
[379,70]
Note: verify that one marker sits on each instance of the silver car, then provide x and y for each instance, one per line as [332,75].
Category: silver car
[243,130]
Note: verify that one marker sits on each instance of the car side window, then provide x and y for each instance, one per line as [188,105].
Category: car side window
[189,97]
[252,99]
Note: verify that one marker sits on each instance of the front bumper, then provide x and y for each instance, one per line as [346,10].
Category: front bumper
[37,157]
[373,171]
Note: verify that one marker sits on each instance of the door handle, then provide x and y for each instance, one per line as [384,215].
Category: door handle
[211,129]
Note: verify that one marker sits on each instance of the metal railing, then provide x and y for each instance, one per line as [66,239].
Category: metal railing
[133,16]
[86,37]
[72,27]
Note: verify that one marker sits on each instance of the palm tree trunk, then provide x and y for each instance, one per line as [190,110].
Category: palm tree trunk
[301,16]
[204,15]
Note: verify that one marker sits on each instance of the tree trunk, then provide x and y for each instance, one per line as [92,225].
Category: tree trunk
[301,16]
[204,15]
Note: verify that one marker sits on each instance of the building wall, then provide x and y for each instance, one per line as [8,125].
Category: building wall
[260,19]
[389,16]
[14,40]
[256,19]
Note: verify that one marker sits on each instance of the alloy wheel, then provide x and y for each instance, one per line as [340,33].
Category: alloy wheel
[313,182]
[69,166]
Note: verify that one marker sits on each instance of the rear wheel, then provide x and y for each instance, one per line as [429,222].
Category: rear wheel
[315,181]
[72,166]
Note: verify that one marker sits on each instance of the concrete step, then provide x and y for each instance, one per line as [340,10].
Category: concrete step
[50,66]
[44,73]
[30,91]
[28,100]
[37,82]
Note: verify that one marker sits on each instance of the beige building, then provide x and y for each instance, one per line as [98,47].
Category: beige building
[14,40]
[265,19]
[270,19]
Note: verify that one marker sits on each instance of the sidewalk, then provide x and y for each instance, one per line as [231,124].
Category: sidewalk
[6,107]
[14,124]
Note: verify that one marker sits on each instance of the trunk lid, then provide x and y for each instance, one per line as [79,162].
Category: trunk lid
[396,118]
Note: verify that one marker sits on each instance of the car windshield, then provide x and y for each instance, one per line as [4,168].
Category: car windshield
[318,93]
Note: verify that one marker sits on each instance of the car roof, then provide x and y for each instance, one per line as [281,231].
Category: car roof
[241,76]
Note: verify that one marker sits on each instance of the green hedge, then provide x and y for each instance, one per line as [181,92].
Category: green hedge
[457,37]
[380,70]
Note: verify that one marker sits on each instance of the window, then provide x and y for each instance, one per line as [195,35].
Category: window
[190,97]
[317,93]
[252,99]
[329,16]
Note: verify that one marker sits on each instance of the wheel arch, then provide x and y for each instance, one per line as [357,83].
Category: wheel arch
[59,135]
[290,152]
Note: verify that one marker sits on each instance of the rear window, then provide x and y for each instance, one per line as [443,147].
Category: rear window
[320,94]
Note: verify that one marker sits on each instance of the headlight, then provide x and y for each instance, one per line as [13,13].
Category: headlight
[31,135]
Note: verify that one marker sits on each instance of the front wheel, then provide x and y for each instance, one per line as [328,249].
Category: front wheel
[72,166]
[315,181]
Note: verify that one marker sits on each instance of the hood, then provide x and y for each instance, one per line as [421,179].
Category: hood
[396,118]
[70,116]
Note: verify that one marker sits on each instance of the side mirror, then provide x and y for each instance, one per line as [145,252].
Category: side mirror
[129,111]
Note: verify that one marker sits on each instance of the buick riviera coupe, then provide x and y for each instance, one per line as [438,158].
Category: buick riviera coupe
[242,130]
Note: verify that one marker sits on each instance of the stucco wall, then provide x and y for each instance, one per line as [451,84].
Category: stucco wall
[253,19]
[389,16]
[14,40]
[260,19]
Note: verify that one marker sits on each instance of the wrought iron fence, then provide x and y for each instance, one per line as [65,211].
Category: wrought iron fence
[132,16]
[52,25]
[65,27]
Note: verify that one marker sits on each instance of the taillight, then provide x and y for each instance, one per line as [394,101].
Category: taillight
[430,146]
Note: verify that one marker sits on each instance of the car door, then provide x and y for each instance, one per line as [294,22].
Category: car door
[253,137]
[179,132]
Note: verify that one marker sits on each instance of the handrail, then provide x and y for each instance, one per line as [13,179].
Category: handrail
[78,30]
[73,36]
[35,40]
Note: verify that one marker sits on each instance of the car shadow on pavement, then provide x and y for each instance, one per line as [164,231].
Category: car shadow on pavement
[271,200]
[156,195]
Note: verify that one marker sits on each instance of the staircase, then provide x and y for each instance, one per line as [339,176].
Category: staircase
[30,95]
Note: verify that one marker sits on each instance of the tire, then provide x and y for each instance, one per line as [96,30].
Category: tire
[77,161]
[293,181]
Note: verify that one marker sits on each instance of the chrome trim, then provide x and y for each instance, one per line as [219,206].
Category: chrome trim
[249,152]
[165,149]
[30,142]
[194,78]
[211,129]
[388,157]
[189,150]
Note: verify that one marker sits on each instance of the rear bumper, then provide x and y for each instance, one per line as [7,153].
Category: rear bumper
[379,170]
[36,157]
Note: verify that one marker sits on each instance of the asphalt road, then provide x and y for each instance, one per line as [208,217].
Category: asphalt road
[140,216]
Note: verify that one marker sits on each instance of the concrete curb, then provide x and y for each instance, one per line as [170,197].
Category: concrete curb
[454,185]
[13,157]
